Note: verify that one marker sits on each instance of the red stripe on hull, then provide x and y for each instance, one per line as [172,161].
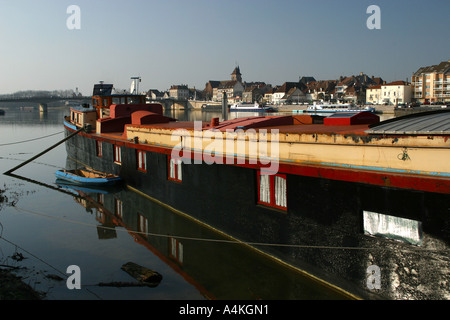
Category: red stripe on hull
[403,181]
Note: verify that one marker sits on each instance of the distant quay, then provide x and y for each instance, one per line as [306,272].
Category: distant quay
[379,109]
[287,108]
[390,109]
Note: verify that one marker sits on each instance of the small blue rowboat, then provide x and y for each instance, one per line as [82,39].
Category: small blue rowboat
[87,177]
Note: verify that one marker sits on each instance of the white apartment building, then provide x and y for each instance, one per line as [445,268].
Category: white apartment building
[396,92]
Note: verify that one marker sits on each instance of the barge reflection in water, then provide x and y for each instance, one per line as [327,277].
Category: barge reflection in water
[219,267]
[330,239]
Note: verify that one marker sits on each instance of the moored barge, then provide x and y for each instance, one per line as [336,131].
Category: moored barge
[252,178]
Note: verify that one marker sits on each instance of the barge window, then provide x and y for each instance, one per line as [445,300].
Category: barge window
[272,190]
[100,216]
[99,149]
[100,198]
[176,250]
[280,191]
[117,155]
[264,188]
[118,100]
[133,100]
[118,208]
[141,160]
[143,224]
[175,169]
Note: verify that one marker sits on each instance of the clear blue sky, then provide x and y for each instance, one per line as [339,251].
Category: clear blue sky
[170,42]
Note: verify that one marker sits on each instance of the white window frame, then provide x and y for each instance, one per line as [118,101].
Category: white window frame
[175,169]
[141,160]
[117,154]
[272,190]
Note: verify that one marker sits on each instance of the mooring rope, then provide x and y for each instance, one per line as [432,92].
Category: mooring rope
[34,139]
[33,255]
[36,162]
[148,234]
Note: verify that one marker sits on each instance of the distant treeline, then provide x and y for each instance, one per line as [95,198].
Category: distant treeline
[40,93]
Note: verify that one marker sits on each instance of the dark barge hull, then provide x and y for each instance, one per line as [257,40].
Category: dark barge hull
[321,233]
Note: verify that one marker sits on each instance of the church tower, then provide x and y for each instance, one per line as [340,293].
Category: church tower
[236,75]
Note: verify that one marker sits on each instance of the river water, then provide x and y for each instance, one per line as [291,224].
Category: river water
[45,229]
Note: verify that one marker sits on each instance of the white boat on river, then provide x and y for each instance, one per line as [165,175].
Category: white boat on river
[334,108]
[252,107]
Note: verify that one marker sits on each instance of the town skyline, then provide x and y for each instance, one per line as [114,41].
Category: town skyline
[74,44]
[143,90]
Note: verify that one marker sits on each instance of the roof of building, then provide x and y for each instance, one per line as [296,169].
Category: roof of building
[213,83]
[443,67]
[361,80]
[155,92]
[396,83]
[289,85]
[178,87]
[306,80]
[251,89]
[377,80]
[227,84]
[322,85]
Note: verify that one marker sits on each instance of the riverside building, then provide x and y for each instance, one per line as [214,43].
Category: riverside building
[432,84]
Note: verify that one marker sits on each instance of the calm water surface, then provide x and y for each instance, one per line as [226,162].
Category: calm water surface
[45,228]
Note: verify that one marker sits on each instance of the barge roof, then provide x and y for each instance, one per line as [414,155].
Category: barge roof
[289,128]
[321,129]
[425,123]
[284,124]
[429,123]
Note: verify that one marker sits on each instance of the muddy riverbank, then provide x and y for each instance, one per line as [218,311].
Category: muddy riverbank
[13,288]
